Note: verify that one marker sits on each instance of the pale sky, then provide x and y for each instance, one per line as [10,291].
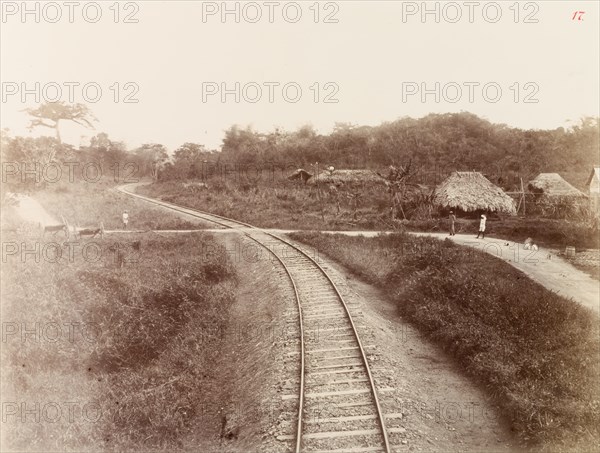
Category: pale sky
[366,56]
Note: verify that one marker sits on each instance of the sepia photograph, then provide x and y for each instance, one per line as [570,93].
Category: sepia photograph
[354,226]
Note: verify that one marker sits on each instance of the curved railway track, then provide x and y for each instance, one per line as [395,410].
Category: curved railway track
[338,403]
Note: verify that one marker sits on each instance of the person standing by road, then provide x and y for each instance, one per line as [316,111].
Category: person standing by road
[125,219]
[482,227]
[452,219]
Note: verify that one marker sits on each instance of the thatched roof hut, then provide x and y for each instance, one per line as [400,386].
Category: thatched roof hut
[553,185]
[341,177]
[301,175]
[471,191]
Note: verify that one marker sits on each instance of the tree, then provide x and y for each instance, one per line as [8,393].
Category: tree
[29,156]
[396,181]
[51,114]
[103,149]
[4,138]
[152,158]
[243,146]
[101,141]
[188,160]
[189,152]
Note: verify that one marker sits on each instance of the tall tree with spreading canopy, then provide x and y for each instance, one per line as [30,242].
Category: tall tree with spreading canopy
[51,114]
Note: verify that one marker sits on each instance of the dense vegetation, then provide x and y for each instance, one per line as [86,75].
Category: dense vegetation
[535,351]
[436,144]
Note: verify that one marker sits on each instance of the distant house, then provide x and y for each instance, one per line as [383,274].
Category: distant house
[593,184]
[300,175]
[552,185]
[470,191]
[346,177]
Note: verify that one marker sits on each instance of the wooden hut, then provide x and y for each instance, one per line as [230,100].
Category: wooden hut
[552,185]
[470,191]
[300,175]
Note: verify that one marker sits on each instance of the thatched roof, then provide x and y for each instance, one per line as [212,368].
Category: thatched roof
[301,174]
[553,185]
[346,177]
[471,191]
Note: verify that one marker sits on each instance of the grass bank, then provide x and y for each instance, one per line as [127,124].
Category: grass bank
[279,203]
[535,352]
[97,356]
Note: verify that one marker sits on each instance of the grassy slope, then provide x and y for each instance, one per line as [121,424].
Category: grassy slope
[279,204]
[154,329]
[155,374]
[164,357]
[535,352]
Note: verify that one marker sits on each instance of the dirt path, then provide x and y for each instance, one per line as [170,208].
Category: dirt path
[543,266]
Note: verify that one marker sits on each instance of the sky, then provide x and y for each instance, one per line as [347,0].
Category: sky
[532,65]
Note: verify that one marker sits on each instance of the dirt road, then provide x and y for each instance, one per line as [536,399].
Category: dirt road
[543,266]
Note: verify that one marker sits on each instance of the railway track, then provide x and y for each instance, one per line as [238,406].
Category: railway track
[338,406]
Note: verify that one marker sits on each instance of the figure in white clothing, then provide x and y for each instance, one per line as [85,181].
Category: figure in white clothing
[482,227]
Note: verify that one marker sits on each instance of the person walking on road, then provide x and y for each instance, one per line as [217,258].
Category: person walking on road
[482,227]
[125,219]
[452,219]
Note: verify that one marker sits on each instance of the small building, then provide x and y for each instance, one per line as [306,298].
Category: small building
[593,185]
[300,175]
[470,191]
[553,186]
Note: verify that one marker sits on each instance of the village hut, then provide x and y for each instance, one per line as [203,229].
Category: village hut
[472,192]
[300,175]
[346,177]
[552,185]
[593,184]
